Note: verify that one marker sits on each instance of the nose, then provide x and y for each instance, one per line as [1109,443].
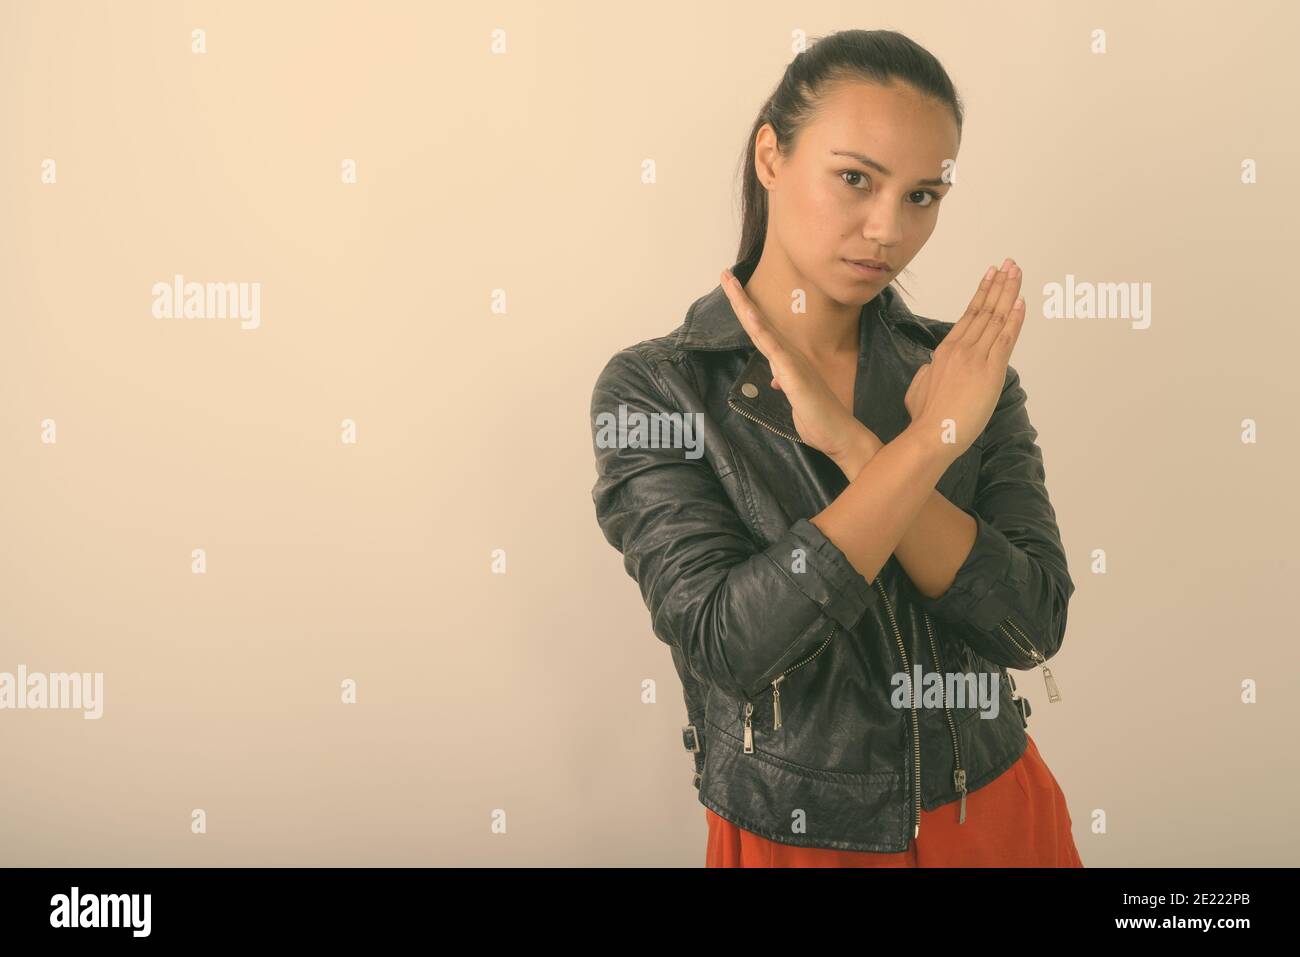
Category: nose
[884,222]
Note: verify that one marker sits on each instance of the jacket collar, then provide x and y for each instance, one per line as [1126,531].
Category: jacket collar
[888,358]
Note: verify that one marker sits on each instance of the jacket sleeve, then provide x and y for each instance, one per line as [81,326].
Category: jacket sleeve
[740,612]
[1012,592]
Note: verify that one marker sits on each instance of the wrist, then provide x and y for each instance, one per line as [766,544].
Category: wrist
[860,451]
[928,442]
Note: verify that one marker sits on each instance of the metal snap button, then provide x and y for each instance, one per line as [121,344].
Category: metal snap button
[749,389]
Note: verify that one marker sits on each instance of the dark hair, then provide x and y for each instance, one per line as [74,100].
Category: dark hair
[874,56]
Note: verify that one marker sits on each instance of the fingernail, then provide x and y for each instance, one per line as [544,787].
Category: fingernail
[1005,263]
[989,274]
[1013,272]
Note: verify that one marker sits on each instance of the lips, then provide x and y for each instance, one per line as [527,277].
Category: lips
[874,263]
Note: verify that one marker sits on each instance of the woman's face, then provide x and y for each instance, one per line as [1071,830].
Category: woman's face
[826,206]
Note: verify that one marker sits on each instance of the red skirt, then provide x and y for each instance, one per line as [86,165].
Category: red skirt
[1019,819]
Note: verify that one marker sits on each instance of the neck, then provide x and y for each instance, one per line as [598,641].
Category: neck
[828,330]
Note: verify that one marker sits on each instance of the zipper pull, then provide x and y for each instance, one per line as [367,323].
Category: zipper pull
[749,728]
[776,702]
[959,781]
[1053,692]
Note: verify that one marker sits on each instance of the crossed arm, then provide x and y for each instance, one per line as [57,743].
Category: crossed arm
[996,568]
[938,539]
[741,616]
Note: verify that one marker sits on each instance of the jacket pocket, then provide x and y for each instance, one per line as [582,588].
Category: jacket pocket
[776,685]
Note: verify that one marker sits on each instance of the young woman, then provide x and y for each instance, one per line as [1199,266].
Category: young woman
[862,543]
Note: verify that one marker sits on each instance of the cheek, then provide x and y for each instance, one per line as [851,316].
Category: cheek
[830,208]
[920,233]
[825,218]
[811,204]
[811,218]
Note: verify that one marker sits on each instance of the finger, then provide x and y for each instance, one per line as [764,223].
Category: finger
[976,303]
[973,320]
[979,322]
[997,317]
[1002,344]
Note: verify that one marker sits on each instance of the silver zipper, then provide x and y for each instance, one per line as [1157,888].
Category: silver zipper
[1053,692]
[959,774]
[916,732]
[754,418]
[776,682]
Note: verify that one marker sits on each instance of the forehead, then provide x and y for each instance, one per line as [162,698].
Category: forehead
[900,127]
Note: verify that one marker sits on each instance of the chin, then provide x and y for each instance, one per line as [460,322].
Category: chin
[852,293]
[861,286]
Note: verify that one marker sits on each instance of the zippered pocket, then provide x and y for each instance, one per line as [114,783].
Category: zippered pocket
[1028,648]
[747,726]
[776,682]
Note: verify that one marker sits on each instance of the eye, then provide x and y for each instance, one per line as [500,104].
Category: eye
[862,177]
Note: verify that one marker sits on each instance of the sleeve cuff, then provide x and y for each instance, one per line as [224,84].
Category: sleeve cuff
[988,583]
[827,577]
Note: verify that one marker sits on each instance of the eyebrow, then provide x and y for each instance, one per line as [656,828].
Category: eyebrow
[868,161]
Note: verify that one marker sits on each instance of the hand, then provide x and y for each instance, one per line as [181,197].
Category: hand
[964,380]
[914,401]
[819,418]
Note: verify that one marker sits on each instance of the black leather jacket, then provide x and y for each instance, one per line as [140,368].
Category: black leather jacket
[784,650]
